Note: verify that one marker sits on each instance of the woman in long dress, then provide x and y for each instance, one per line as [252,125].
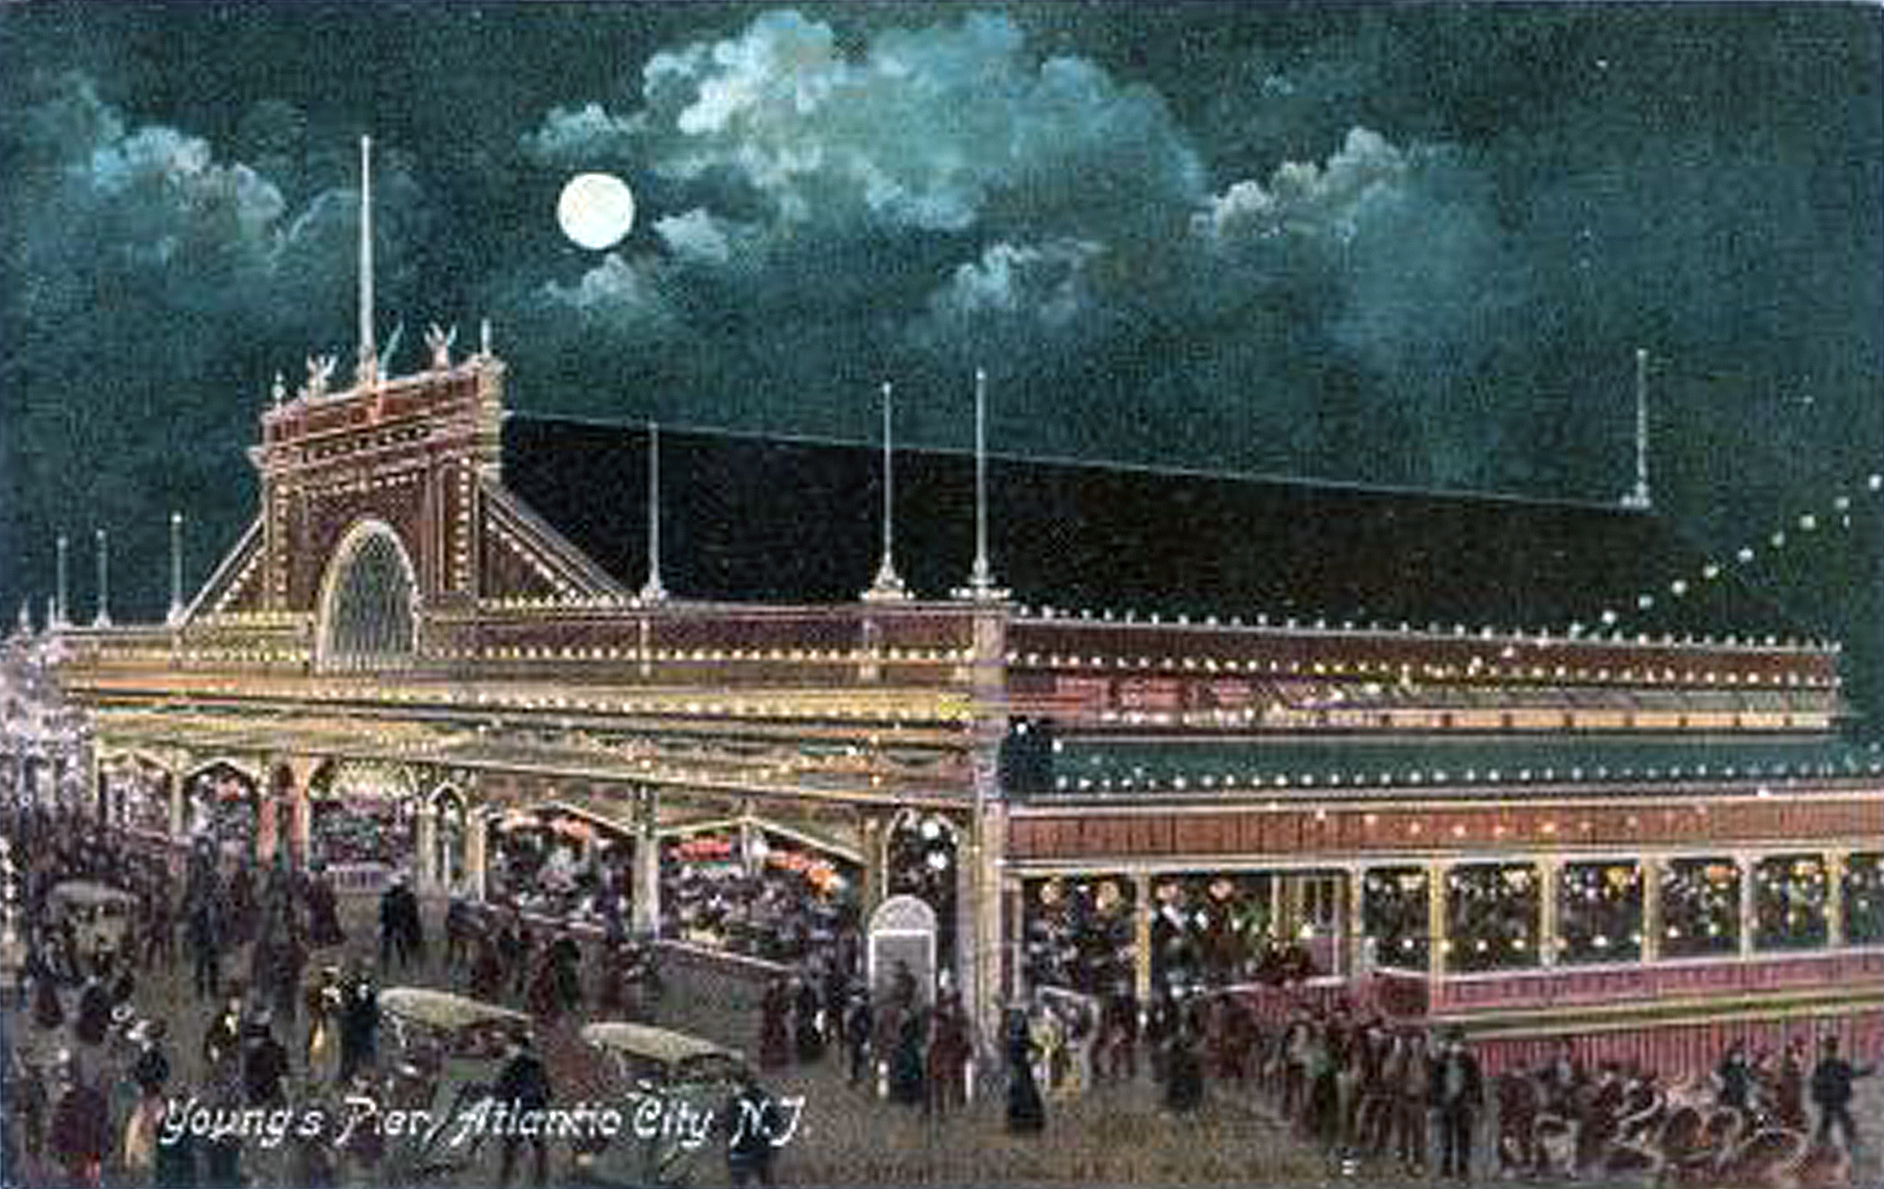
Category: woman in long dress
[1026,1113]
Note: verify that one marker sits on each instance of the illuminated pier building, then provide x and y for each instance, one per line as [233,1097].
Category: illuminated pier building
[1395,730]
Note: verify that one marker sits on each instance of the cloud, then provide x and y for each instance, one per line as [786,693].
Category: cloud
[934,129]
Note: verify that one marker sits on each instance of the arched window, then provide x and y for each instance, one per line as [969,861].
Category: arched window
[369,613]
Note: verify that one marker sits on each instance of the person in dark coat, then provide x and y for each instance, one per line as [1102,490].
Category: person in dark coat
[205,925]
[523,1086]
[395,938]
[1184,1074]
[752,1122]
[949,1052]
[48,1012]
[242,905]
[150,1069]
[1026,1113]
[94,1013]
[1735,1078]
[359,1027]
[908,1080]
[81,1130]
[222,1041]
[807,1037]
[487,969]
[774,1011]
[1458,1090]
[264,1064]
[859,1025]
[323,913]
[1831,1093]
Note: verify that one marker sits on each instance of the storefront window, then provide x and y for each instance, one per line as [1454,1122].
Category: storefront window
[140,797]
[555,862]
[1494,911]
[1394,911]
[1216,930]
[1790,894]
[362,813]
[1700,908]
[1079,933]
[1864,899]
[222,806]
[1599,912]
[757,892]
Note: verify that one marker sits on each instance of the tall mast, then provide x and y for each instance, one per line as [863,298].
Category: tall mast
[1640,496]
[652,591]
[368,371]
[981,584]
[888,584]
[176,567]
[103,618]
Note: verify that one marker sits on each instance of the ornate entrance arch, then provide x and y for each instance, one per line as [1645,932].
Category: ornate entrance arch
[369,605]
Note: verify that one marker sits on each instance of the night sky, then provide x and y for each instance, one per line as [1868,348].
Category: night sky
[1401,245]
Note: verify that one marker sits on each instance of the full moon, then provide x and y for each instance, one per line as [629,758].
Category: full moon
[596,210]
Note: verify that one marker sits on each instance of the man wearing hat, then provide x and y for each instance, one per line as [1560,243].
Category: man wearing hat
[1458,1090]
[523,1087]
[1831,1091]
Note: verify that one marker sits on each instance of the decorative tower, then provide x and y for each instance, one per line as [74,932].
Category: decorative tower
[888,586]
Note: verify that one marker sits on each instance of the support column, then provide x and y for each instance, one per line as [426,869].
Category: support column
[179,808]
[1141,937]
[1355,943]
[476,826]
[1439,929]
[429,876]
[993,943]
[646,913]
[870,833]
[1548,871]
[1835,898]
[1651,908]
[266,827]
[1746,865]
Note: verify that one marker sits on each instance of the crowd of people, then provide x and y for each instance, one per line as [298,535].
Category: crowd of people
[297,1021]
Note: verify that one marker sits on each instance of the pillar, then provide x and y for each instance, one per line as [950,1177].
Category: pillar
[428,874]
[1141,937]
[646,912]
[1548,870]
[994,942]
[179,808]
[1651,908]
[266,827]
[1438,926]
[871,834]
[968,905]
[1835,898]
[476,827]
[1745,863]
[1355,942]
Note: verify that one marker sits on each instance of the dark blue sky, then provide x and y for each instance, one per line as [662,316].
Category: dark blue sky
[1396,244]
